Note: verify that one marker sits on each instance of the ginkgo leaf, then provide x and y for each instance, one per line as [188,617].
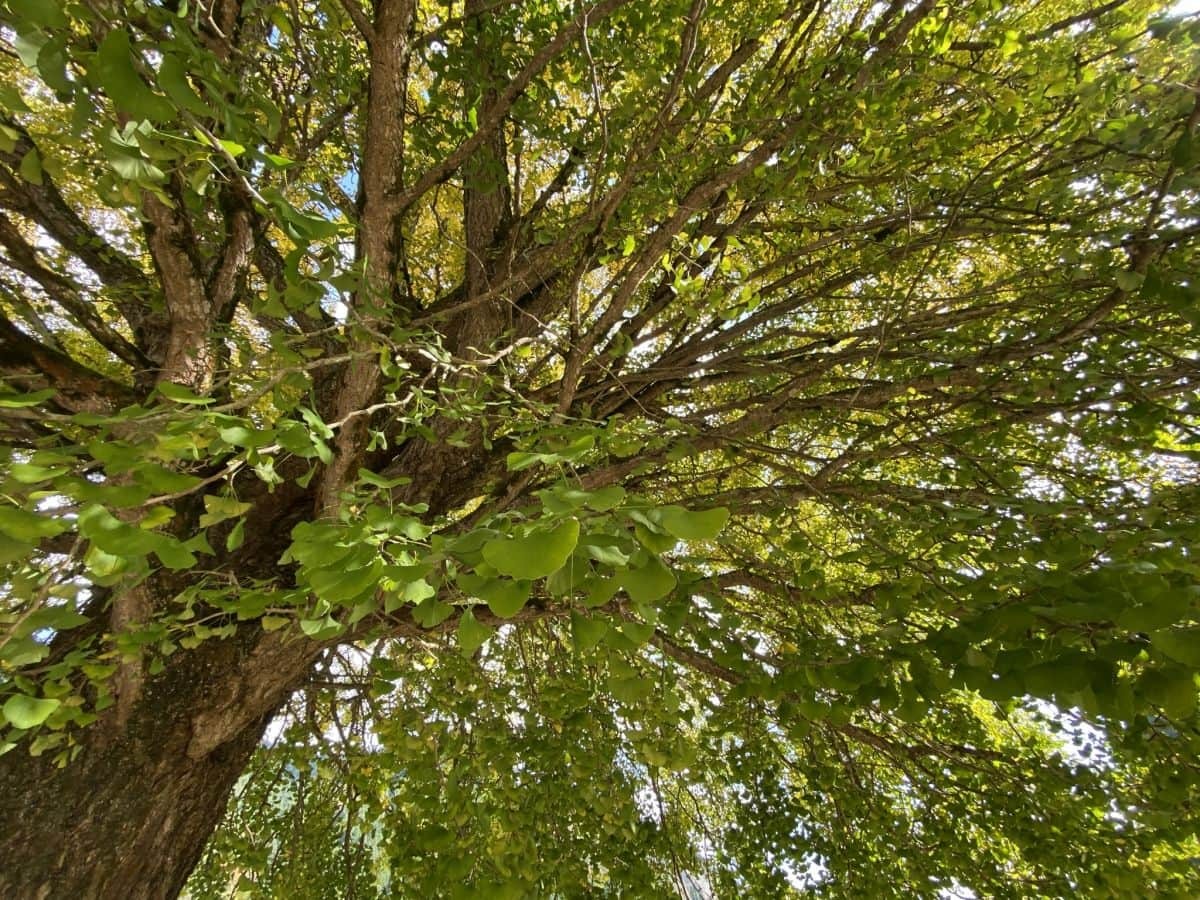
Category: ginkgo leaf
[504,597]
[535,555]
[218,509]
[115,71]
[651,582]
[587,631]
[23,711]
[472,634]
[700,525]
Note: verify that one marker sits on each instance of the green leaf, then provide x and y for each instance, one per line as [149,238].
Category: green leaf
[241,436]
[1171,688]
[198,543]
[104,567]
[563,500]
[1181,645]
[180,394]
[519,460]
[504,597]
[600,591]
[60,618]
[637,632]
[113,536]
[316,424]
[29,473]
[172,554]
[629,689]
[302,227]
[339,585]
[12,550]
[702,525]
[218,509]
[133,168]
[432,612]
[319,629]
[252,604]
[536,555]
[20,401]
[31,167]
[587,632]
[27,526]
[1186,152]
[368,477]
[172,78]
[1129,281]
[45,741]
[652,540]
[52,66]
[23,711]
[11,100]
[276,161]
[598,548]
[295,438]
[23,651]
[28,45]
[115,71]
[40,13]
[236,537]
[568,577]
[472,634]
[649,583]
[162,480]
[604,499]
[417,591]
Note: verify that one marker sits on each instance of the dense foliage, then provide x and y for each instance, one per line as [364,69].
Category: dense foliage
[633,448]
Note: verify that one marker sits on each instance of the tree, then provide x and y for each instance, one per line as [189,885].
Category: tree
[637,447]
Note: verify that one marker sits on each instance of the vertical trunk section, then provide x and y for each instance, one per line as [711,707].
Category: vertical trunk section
[128,820]
[485,197]
[379,240]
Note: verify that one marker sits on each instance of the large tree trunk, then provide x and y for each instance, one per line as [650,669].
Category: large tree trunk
[129,817]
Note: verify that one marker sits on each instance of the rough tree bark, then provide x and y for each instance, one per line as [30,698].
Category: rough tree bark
[129,817]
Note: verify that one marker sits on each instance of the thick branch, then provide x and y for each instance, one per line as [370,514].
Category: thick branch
[23,258]
[80,389]
[378,250]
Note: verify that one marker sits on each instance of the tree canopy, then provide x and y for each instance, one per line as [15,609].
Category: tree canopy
[530,448]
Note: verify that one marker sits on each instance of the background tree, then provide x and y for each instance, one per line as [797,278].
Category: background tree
[645,446]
